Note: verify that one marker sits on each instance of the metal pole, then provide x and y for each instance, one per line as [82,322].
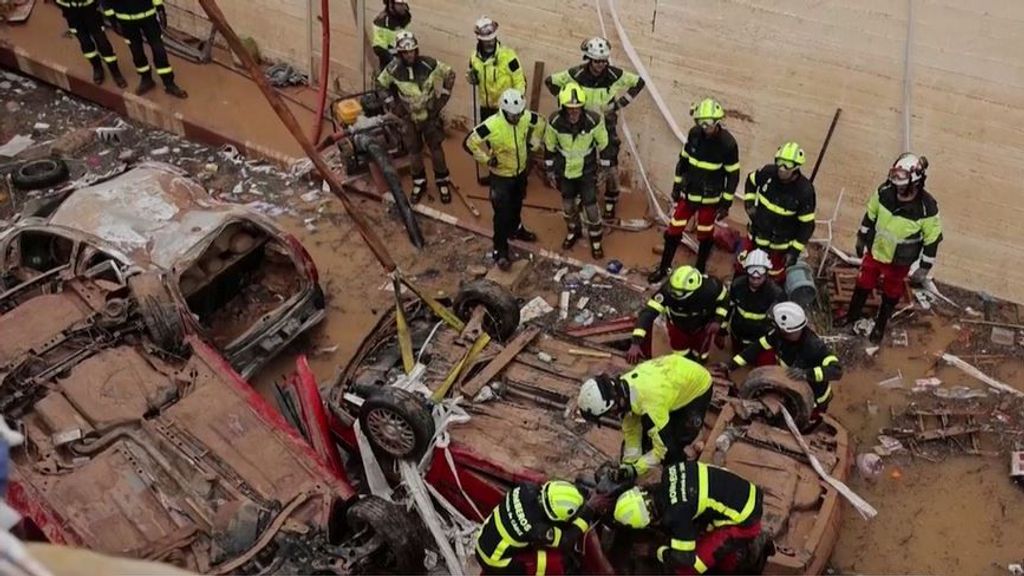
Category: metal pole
[907,84]
[824,145]
[361,26]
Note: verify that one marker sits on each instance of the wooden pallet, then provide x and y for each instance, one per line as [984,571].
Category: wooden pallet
[842,283]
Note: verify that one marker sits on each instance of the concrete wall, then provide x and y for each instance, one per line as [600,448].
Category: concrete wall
[781,67]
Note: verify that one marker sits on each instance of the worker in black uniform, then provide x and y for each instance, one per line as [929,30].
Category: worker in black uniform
[707,174]
[801,351]
[780,202]
[86,23]
[143,21]
[696,307]
[751,298]
[710,516]
[535,529]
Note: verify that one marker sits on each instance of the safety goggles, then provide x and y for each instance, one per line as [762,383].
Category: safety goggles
[786,164]
[757,271]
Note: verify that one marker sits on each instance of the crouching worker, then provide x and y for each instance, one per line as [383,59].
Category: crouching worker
[662,404]
[535,529]
[711,517]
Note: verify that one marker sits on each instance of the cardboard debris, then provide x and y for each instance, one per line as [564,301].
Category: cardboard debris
[1003,336]
[887,446]
[900,339]
[582,302]
[16,145]
[894,382]
[563,305]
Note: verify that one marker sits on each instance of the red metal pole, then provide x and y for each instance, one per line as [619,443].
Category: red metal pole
[325,68]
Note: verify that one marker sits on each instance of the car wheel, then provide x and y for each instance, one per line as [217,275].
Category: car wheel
[397,423]
[795,395]
[397,532]
[159,313]
[502,318]
[37,174]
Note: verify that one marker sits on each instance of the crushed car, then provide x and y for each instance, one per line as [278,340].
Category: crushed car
[520,389]
[142,441]
[237,279]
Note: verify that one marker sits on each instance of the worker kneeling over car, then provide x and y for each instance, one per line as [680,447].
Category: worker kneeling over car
[662,404]
[711,517]
[534,530]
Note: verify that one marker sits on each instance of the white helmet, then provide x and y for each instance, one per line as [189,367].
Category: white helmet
[789,317]
[406,41]
[596,48]
[486,29]
[908,169]
[757,259]
[512,102]
[595,400]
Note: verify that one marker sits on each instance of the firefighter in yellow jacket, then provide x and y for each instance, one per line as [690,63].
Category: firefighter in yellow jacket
[503,143]
[393,20]
[493,68]
[662,404]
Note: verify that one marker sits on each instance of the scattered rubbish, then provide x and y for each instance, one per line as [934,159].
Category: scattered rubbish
[40,126]
[477,271]
[126,155]
[327,349]
[601,286]
[534,309]
[887,446]
[561,274]
[563,305]
[894,382]
[584,318]
[582,302]
[1016,569]
[1017,464]
[870,466]
[545,357]
[614,266]
[16,145]
[900,339]
[1003,336]
[971,370]
[958,393]
[896,474]
[112,134]
[835,338]
[872,408]
[12,106]
[587,273]
[163,151]
[571,280]
[972,312]
[924,299]
[310,197]
[231,154]
[485,394]
[864,326]
[871,350]
[282,75]
[925,384]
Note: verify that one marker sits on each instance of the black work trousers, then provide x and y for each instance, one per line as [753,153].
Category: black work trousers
[684,426]
[148,30]
[86,24]
[507,194]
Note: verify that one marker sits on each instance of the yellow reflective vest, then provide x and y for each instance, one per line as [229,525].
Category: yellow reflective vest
[510,144]
[419,85]
[496,74]
[570,148]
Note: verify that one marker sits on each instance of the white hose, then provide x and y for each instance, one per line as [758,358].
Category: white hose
[907,85]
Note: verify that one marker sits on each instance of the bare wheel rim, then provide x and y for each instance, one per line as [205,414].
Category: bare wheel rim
[391,431]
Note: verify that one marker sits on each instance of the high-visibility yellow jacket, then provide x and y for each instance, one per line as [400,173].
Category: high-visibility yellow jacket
[572,149]
[495,74]
[615,88]
[510,144]
[901,232]
[423,87]
[657,388]
[385,28]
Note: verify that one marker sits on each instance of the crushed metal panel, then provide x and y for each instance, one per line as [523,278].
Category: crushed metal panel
[37,321]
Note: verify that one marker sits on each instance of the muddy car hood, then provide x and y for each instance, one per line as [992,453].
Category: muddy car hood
[155,214]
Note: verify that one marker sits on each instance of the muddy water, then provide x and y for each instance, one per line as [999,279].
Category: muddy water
[955,517]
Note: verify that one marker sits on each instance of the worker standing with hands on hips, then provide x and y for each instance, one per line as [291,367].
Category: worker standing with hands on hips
[143,21]
[780,202]
[804,354]
[900,226]
[707,173]
[573,142]
[420,88]
[503,143]
[662,403]
[395,18]
[751,298]
[695,305]
[609,89]
[86,23]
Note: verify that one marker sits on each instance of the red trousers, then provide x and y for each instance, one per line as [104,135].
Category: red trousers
[892,276]
[777,257]
[723,549]
[532,562]
[764,357]
[696,345]
[705,219]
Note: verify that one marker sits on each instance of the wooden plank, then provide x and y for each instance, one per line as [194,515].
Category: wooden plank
[538,81]
[471,388]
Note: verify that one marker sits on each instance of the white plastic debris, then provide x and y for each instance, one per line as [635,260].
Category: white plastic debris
[534,309]
[900,339]
[563,305]
[971,370]
[545,357]
[864,326]
[588,272]
[582,302]
[16,145]
[894,382]
[40,126]
[162,151]
[871,350]
[870,466]
[925,384]
[310,197]
[958,393]
[561,274]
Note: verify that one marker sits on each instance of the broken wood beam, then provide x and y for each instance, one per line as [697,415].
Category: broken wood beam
[518,344]
[538,81]
[589,353]
[623,324]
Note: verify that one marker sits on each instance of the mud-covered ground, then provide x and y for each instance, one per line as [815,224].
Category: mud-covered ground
[941,510]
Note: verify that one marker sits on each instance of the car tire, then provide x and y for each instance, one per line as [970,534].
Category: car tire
[36,174]
[159,313]
[796,395]
[397,423]
[399,530]
[502,319]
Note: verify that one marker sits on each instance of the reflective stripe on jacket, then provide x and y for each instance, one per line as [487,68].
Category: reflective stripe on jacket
[419,84]
[901,232]
[495,74]
[573,148]
[511,145]
[781,213]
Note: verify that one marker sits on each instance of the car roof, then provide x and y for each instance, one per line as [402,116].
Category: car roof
[154,213]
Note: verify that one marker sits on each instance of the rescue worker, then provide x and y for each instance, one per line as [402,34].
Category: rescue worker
[662,404]
[503,143]
[573,141]
[86,23]
[695,306]
[493,68]
[751,298]
[609,89]
[800,350]
[780,202]
[142,21]
[901,225]
[422,87]
[535,528]
[711,516]
[395,18]
[707,174]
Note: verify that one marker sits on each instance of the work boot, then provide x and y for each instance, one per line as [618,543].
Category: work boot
[145,85]
[667,256]
[115,73]
[596,250]
[419,185]
[503,262]
[609,211]
[97,72]
[523,234]
[570,239]
[176,91]
[444,188]
[853,313]
[884,314]
[703,253]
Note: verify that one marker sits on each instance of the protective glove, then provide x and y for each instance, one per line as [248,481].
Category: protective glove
[472,77]
[635,354]
[862,244]
[722,212]
[677,192]
[920,276]
[493,162]
[800,374]
[626,474]
[161,15]
[791,257]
